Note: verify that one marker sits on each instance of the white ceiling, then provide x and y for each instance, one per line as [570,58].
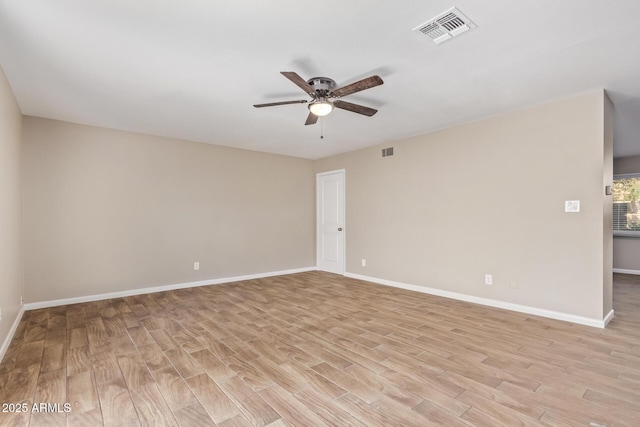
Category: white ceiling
[193,69]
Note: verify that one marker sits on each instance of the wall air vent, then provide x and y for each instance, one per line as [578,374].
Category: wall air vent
[386,152]
[445,26]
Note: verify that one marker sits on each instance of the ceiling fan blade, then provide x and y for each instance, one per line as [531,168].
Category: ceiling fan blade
[311,119]
[363,84]
[360,109]
[273,104]
[299,81]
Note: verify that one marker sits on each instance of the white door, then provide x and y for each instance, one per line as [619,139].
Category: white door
[330,197]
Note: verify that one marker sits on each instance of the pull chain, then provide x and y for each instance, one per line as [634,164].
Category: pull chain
[321,128]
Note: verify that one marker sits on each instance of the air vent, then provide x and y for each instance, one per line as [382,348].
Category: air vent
[445,26]
[386,152]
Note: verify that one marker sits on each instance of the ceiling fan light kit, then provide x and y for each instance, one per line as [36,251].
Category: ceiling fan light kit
[325,96]
[321,107]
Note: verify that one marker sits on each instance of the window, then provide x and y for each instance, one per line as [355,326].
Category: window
[626,205]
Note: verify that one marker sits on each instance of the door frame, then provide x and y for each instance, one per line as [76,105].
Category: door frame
[344,216]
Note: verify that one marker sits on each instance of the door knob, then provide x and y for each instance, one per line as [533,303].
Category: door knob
[340,229]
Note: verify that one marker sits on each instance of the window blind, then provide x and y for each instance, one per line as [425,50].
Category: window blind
[626,203]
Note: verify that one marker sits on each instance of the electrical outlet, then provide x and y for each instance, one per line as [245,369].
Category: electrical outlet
[196,265]
[488,279]
[364,262]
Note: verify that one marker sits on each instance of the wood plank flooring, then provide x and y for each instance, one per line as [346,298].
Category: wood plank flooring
[315,349]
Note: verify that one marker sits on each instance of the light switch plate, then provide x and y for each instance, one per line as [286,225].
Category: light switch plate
[572,206]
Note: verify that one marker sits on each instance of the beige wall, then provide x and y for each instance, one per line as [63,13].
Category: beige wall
[626,250]
[108,211]
[10,208]
[487,198]
[624,165]
[626,254]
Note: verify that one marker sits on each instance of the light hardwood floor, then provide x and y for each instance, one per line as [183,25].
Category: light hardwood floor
[316,349]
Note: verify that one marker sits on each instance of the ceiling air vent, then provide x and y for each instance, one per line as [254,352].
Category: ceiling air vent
[445,26]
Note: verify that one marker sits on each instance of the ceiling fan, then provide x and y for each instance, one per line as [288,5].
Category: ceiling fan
[325,96]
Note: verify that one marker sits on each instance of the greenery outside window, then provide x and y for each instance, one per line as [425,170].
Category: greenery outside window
[626,205]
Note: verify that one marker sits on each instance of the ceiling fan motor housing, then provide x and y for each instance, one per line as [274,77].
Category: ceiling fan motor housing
[322,85]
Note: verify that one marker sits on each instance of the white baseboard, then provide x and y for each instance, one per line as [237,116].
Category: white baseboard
[12,331]
[491,302]
[141,291]
[625,271]
[608,318]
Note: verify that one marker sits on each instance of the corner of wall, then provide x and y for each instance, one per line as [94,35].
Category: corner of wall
[11,258]
[607,180]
